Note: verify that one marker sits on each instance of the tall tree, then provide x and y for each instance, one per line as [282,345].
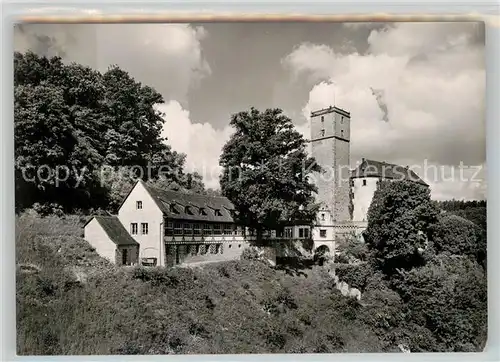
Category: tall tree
[265,171]
[74,120]
[401,220]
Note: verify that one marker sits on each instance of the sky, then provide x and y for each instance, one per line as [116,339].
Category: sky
[416,91]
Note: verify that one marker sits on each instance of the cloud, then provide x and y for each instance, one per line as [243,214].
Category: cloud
[433,79]
[201,142]
[167,57]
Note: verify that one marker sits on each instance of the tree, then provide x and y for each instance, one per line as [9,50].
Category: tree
[448,296]
[71,121]
[265,168]
[458,236]
[400,224]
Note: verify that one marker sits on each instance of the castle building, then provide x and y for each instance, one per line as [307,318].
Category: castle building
[330,146]
[157,227]
[344,195]
[364,180]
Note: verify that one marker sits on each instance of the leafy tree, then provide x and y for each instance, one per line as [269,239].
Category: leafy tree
[458,236]
[400,224]
[265,167]
[448,296]
[75,120]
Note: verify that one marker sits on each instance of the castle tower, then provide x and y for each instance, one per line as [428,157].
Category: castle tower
[330,146]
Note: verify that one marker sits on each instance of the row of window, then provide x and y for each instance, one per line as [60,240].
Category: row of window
[134,228]
[323,133]
[175,209]
[197,249]
[186,228]
[341,119]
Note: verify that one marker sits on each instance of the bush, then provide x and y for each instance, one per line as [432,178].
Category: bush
[356,275]
[458,236]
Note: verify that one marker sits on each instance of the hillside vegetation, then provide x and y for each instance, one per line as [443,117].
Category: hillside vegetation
[70,301]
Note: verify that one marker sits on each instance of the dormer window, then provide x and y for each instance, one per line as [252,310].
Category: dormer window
[173,209]
[217,212]
[188,210]
[138,205]
[202,211]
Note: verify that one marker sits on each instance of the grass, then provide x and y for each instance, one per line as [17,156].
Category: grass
[70,301]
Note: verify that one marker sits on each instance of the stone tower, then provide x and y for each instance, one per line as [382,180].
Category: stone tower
[330,146]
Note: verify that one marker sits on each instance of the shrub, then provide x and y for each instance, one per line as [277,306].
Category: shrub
[356,275]
[458,236]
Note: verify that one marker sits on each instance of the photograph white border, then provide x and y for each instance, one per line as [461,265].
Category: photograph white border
[117,11]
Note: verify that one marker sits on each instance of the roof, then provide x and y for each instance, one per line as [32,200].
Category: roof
[384,170]
[187,206]
[115,230]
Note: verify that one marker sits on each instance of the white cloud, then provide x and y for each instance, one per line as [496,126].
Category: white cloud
[199,141]
[433,80]
[167,57]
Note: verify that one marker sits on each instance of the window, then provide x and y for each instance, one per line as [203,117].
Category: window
[322,133]
[217,212]
[323,217]
[207,229]
[203,249]
[364,182]
[169,228]
[322,118]
[133,228]
[342,132]
[306,233]
[144,228]
[138,205]
[301,232]
[196,229]
[217,229]
[289,232]
[202,211]
[228,229]
[188,211]
[188,229]
[341,120]
[177,228]
[322,233]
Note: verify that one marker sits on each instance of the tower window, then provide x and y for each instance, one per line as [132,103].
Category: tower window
[364,182]
[323,217]
[322,133]
[341,120]
[342,132]
[322,118]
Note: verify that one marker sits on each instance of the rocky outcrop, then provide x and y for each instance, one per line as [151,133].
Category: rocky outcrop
[343,287]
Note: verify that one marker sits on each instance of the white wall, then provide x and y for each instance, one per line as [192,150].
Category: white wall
[150,245]
[95,235]
[363,196]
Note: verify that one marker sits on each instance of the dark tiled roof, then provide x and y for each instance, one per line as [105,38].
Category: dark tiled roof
[187,206]
[115,230]
[370,168]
